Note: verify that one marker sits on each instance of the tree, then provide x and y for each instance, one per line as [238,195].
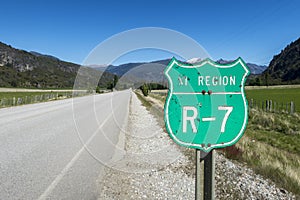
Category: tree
[13,83]
[110,86]
[257,81]
[116,79]
[145,89]
[267,79]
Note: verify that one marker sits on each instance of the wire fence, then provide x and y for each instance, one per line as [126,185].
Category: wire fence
[16,101]
[273,106]
[267,105]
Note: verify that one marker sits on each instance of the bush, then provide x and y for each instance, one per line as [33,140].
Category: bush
[98,90]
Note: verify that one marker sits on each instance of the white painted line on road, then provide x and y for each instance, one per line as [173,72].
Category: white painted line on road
[54,183]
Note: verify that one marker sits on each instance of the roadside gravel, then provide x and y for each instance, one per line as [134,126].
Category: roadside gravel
[154,167]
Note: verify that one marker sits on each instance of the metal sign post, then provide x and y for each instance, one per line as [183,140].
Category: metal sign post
[205,178]
[206,108]
[209,176]
[198,195]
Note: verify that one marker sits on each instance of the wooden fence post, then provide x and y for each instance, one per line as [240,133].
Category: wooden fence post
[292,107]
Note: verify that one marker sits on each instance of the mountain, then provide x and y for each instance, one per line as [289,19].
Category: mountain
[194,60]
[19,68]
[134,74]
[43,55]
[284,67]
[254,68]
[125,68]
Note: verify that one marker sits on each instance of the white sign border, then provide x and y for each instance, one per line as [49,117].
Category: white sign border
[170,93]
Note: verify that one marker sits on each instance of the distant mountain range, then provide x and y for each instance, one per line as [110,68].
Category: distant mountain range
[152,72]
[19,68]
[124,68]
[254,68]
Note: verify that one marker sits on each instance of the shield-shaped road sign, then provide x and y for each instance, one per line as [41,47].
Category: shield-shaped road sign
[206,106]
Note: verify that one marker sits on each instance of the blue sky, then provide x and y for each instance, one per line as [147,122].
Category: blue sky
[254,30]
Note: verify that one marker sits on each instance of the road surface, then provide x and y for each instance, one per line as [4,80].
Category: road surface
[56,150]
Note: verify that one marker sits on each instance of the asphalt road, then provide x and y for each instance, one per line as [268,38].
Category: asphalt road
[56,150]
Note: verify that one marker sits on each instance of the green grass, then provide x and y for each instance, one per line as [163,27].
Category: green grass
[279,95]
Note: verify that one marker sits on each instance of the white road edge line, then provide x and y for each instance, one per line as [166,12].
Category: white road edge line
[58,178]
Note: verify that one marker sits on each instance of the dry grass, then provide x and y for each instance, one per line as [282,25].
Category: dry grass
[159,97]
[271,147]
[280,166]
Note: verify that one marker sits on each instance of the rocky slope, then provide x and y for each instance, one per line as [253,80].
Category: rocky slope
[285,67]
[20,68]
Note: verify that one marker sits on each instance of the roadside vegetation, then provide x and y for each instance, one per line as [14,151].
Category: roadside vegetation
[270,145]
[145,103]
[8,99]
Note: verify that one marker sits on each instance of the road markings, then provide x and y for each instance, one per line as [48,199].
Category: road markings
[54,183]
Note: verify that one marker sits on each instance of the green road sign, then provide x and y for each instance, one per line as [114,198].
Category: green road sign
[206,106]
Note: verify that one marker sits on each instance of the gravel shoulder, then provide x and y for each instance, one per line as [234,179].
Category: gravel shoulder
[154,167]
